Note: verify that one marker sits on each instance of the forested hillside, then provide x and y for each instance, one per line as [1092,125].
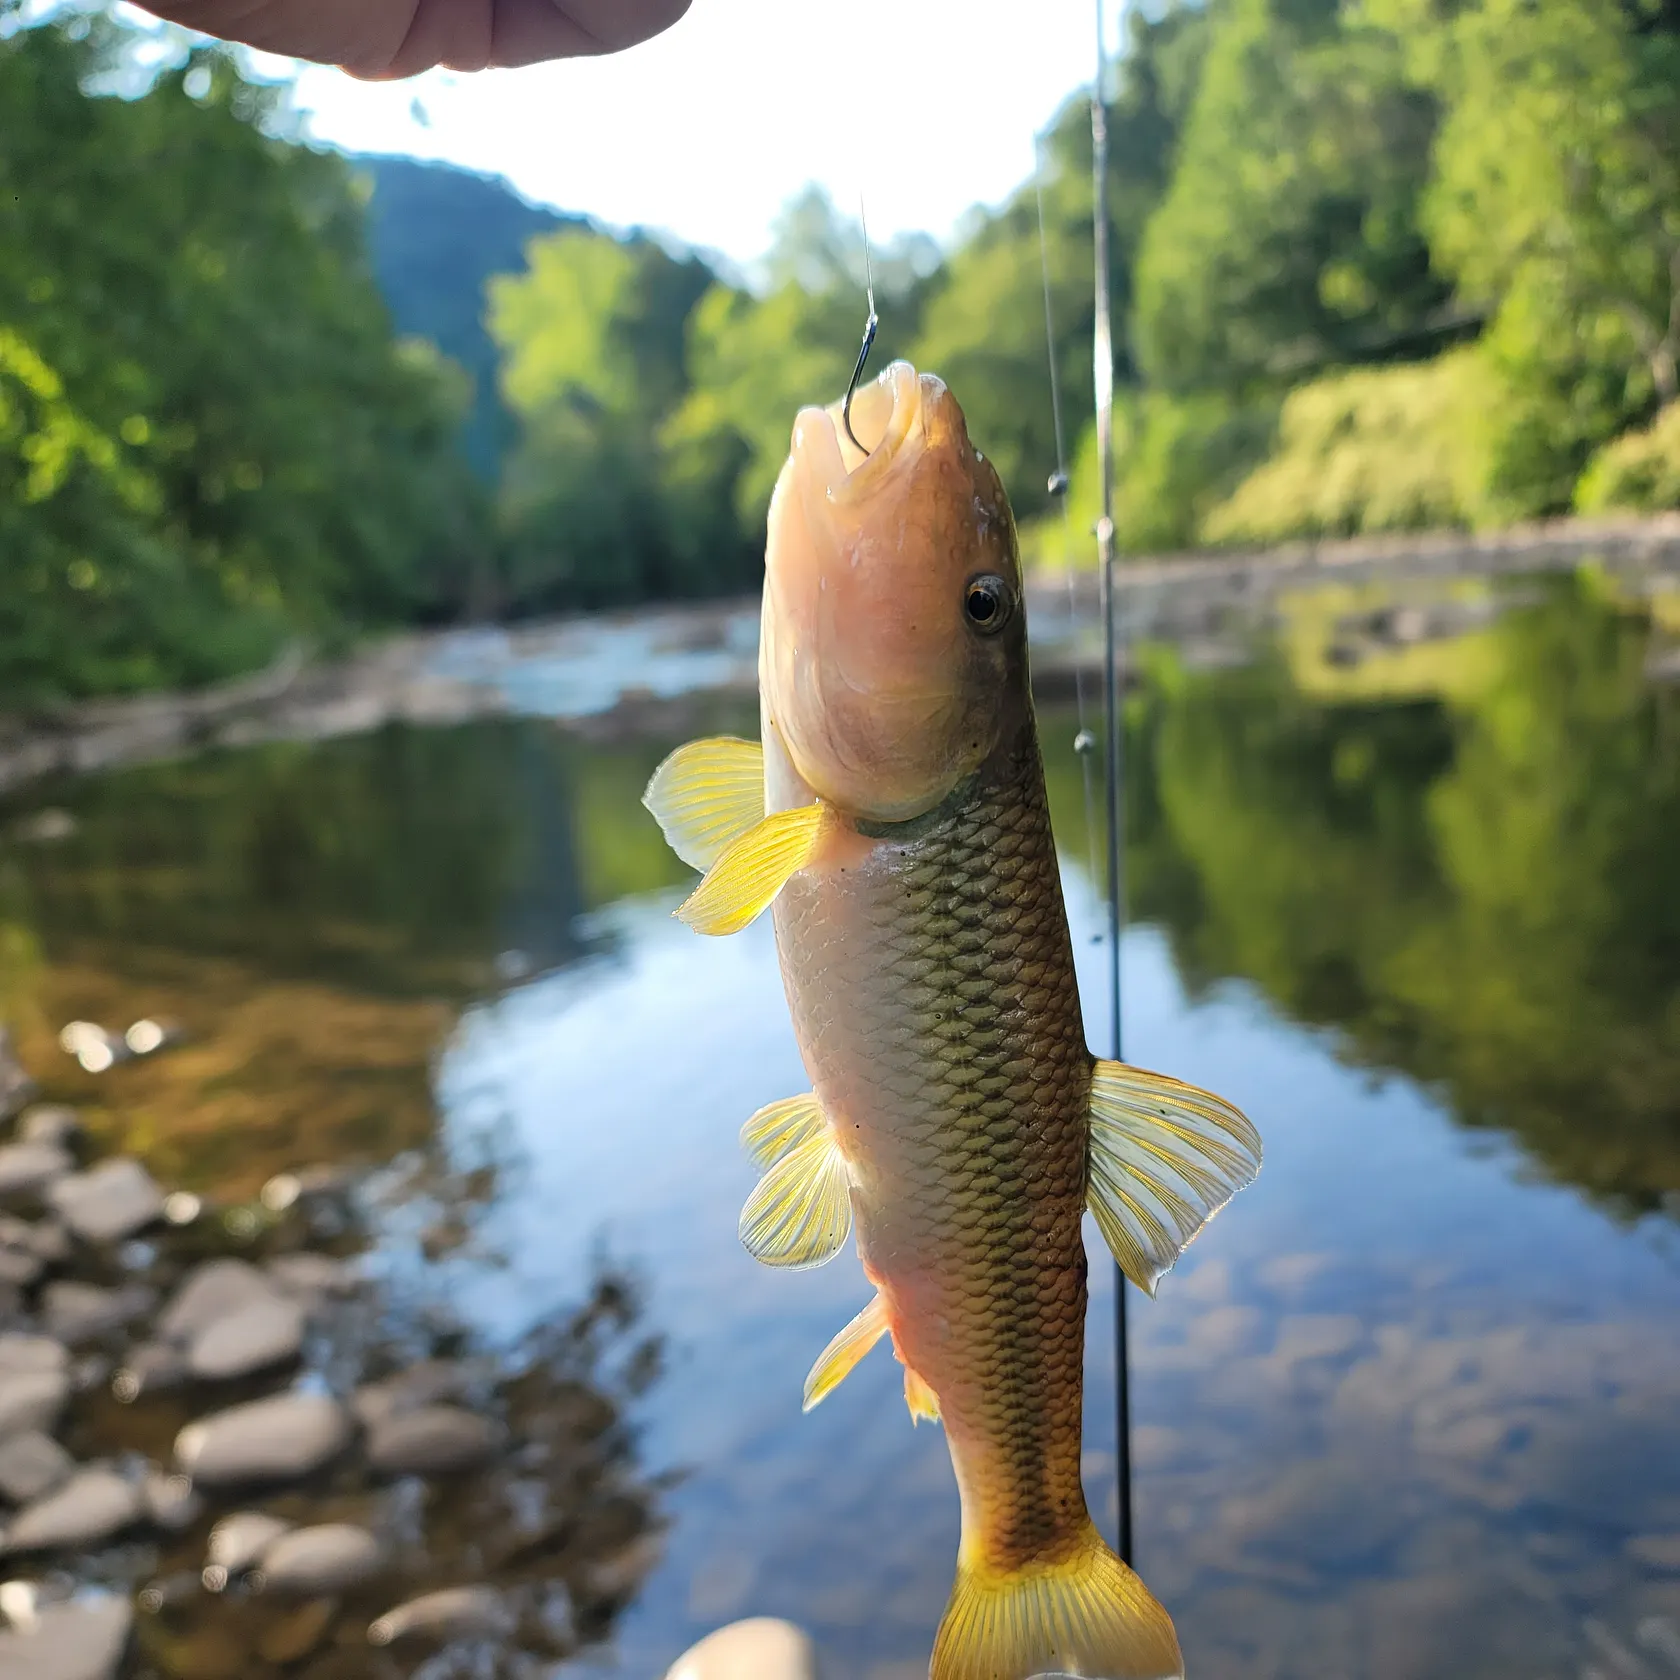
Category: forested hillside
[1385,266]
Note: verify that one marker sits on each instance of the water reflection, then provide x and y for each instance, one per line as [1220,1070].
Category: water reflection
[1409,1409]
[1480,888]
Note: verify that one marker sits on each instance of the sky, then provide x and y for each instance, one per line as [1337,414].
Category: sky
[924,107]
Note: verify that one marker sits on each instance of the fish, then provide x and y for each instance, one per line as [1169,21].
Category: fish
[892,818]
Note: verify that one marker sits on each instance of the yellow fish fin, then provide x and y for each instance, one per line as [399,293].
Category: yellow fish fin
[921,1399]
[707,794]
[801,1211]
[834,1364]
[1165,1158]
[1084,1614]
[752,869]
[780,1127]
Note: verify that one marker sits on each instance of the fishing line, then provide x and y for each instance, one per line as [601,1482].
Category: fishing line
[870,328]
[1083,742]
[1114,767]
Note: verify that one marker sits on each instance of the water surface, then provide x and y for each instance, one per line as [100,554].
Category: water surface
[1410,1407]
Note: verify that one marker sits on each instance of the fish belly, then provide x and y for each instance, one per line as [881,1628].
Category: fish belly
[933,992]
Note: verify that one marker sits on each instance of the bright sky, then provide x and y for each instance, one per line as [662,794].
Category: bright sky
[926,107]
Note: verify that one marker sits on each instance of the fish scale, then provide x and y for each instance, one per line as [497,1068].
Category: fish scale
[933,990]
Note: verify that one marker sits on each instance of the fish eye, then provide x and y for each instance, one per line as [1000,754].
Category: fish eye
[987,603]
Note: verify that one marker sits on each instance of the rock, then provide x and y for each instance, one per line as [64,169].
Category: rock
[288,1188]
[326,1558]
[91,1507]
[761,1648]
[430,1440]
[238,1540]
[81,1312]
[310,1275]
[424,1384]
[46,1239]
[211,1292]
[82,1640]
[454,1613]
[29,1168]
[108,1203]
[18,1267]
[149,1369]
[291,1637]
[264,1440]
[31,1400]
[31,1465]
[260,1334]
[19,1352]
[49,1123]
[171,1502]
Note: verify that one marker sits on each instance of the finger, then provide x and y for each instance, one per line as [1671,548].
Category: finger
[505,34]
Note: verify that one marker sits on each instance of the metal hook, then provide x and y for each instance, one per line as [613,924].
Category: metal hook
[869,330]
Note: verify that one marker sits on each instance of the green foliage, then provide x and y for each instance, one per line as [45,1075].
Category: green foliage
[1288,239]
[1638,473]
[1373,449]
[209,440]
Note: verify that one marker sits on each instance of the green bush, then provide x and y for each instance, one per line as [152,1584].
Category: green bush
[1638,473]
[1375,449]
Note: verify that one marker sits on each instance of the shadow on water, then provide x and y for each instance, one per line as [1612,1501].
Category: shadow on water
[1407,1410]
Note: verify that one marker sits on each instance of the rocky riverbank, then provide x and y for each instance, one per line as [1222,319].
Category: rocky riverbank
[230,1447]
[614,670]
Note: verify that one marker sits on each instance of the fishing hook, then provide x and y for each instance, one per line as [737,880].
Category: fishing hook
[869,329]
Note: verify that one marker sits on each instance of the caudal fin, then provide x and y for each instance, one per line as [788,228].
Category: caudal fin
[1087,1615]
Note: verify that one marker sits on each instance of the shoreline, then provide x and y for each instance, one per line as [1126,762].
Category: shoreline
[616,671]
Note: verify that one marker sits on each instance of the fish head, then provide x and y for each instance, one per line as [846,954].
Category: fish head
[892,657]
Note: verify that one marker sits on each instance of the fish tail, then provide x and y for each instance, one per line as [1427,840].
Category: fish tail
[1084,1614]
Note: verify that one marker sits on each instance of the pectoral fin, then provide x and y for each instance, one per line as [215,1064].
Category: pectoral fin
[752,869]
[780,1127]
[801,1211]
[834,1364]
[1165,1158]
[706,794]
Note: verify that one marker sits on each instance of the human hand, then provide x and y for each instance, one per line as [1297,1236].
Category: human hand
[382,40]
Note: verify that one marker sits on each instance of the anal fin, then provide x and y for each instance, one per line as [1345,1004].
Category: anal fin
[921,1399]
[780,1127]
[1165,1158]
[836,1361]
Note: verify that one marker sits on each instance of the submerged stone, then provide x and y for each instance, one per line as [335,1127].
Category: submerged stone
[31,1399]
[239,1539]
[264,1440]
[211,1292]
[80,1312]
[28,1168]
[82,1640]
[108,1203]
[326,1558]
[91,1507]
[32,1464]
[259,1334]
[430,1440]
[453,1613]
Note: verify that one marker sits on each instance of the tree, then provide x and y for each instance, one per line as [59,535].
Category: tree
[209,439]
[1288,239]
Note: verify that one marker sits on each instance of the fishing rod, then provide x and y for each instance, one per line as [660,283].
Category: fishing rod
[1102,356]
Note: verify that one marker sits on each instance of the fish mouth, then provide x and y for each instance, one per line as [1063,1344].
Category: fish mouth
[888,423]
